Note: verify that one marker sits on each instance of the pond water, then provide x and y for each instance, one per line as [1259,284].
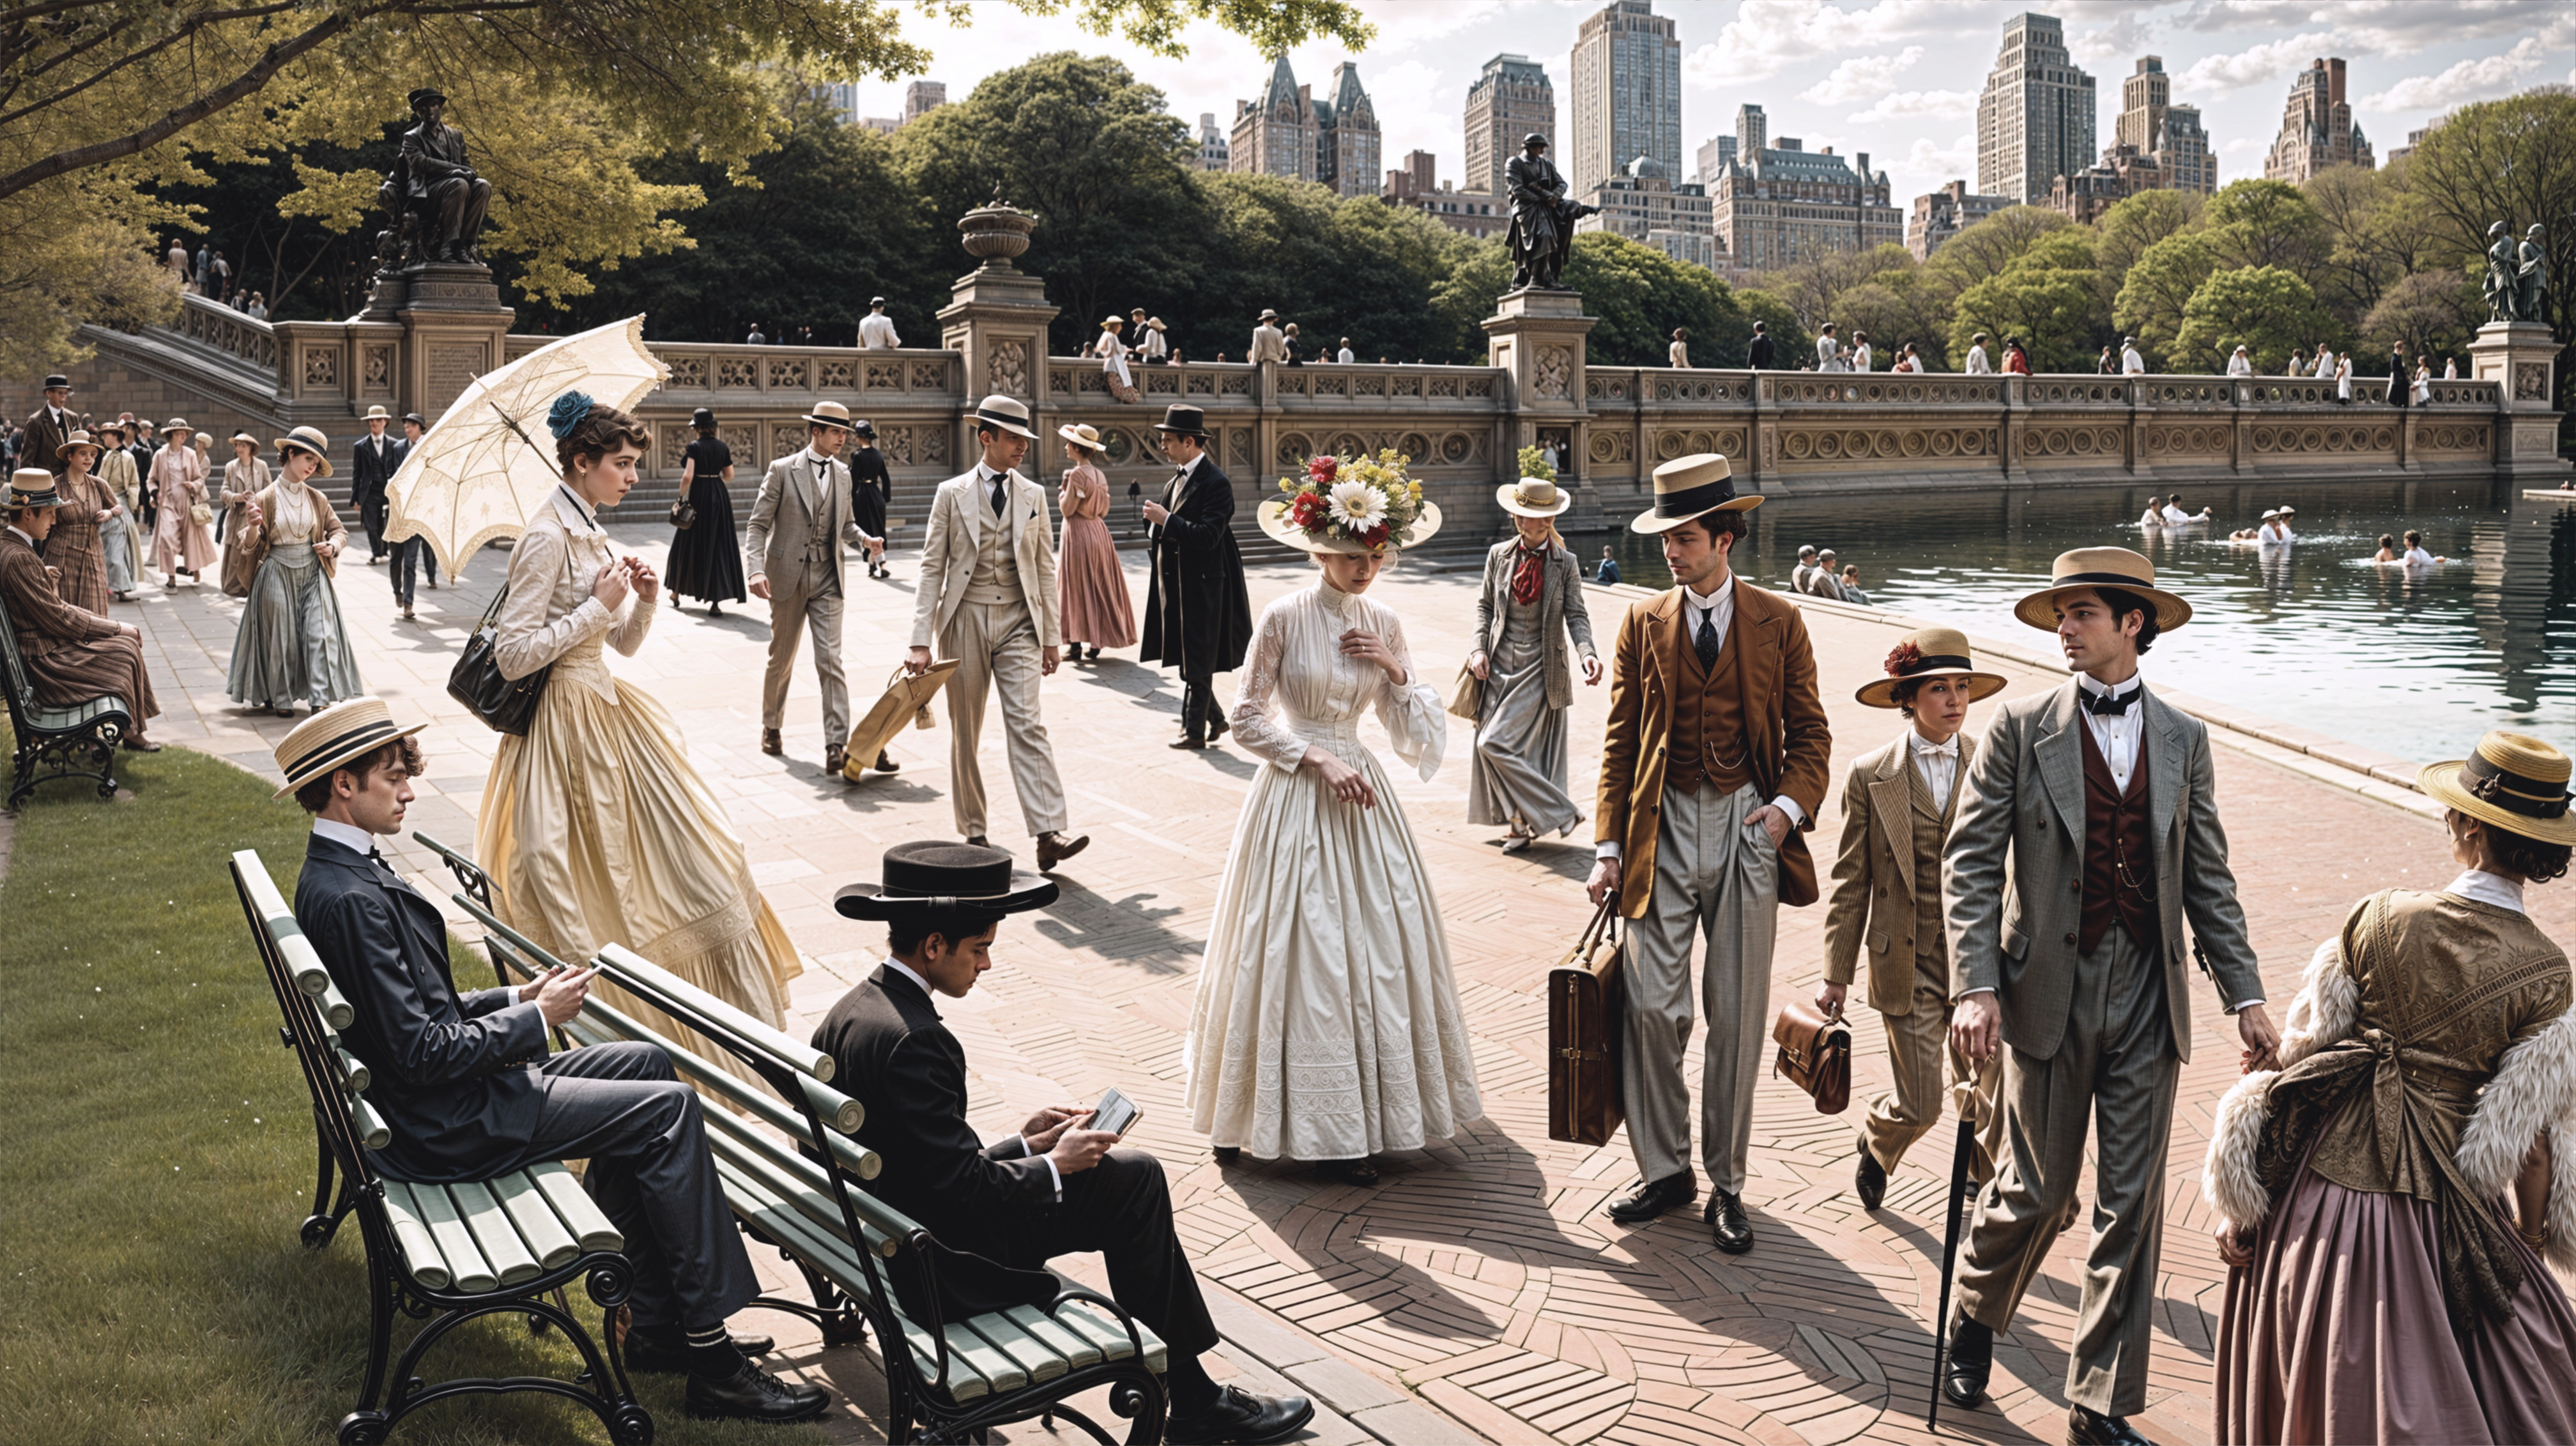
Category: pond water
[2412,662]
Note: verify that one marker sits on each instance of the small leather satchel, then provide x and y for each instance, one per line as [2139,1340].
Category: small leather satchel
[684,514]
[506,705]
[1467,695]
[1587,1017]
[1815,1053]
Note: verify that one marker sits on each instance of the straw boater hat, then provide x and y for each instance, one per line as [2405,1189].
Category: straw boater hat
[1268,315]
[1533,497]
[1688,487]
[1929,653]
[2102,567]
[930,875]
[348,729]
[2271,512]
[33,487]
[378,413]
[245,436]
[1080,434]
[1010,415]
[1113,323]
[309,440]
[80,438]
[2525,781]
[829,414]
[1156,323]
[176,424]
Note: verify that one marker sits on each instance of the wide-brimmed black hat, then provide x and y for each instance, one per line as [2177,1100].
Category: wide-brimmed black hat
[935,874]
[1187,420]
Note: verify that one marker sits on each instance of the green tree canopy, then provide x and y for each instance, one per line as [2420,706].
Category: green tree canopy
[2047,297]
[2160,287]
[2264,309]
[1641,294]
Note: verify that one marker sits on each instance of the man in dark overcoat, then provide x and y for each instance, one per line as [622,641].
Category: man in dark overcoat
[1198,613]
[372,460]
[48,426]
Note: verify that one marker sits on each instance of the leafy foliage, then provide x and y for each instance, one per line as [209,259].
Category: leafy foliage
[2265,309]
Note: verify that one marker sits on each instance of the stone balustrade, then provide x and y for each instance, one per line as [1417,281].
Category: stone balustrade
[211,323]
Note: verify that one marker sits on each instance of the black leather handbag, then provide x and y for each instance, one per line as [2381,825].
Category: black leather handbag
[506,705]
[684,514]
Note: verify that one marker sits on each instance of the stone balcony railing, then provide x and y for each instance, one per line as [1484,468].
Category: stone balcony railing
[211,323]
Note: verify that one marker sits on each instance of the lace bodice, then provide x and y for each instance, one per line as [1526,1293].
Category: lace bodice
[1299,688]
[550,616]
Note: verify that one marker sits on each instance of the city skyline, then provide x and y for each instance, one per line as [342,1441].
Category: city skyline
[1897,78]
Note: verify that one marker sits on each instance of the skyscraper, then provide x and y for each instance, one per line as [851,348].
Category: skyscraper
[1773,204]
[2151,125]
[1346,136]
[2316,127]
[1510,100]
[922,97]
[1275,135]
[1627,67]
[2035,118]
[1212,143]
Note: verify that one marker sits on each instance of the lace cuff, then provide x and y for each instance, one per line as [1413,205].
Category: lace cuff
[1255,726]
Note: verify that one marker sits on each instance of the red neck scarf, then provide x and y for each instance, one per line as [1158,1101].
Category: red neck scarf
[1529,573]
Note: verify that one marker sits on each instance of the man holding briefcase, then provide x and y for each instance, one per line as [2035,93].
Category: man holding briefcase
[1713,763]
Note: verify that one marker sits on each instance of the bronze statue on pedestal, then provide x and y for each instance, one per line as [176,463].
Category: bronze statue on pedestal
[433,193]
[1542,218]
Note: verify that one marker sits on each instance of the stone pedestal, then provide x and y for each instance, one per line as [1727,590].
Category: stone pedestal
[996,318]
[2521,357]
[1538,337]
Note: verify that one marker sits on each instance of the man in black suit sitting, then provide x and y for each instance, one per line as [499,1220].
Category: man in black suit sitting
[1001,1211]
[470,1092]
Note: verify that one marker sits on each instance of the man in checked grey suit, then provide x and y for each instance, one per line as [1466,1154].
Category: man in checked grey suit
[2102,794]
[987,597]
[796,552]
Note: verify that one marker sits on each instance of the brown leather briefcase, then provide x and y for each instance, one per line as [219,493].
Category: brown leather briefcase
[1815,1053]
[1587,1013]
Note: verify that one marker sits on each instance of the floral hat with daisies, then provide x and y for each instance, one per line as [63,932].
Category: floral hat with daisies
[1351,505]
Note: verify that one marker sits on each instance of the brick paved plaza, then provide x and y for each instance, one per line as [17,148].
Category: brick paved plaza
[1477,1292]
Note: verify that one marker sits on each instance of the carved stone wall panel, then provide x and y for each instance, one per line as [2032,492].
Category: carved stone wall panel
[745,444]
[1006,368]
[676,437]
[2530,382]
[1234,384]
[449,369]
[321,366]
[835,375]
[688,373]
[735,371]
[928,376]
[1161,381]
[1200,384]
[1552,378]
[1238,447]
[1613,445]
[934,446]
[1293,450]
[378,373]
[896,443]
[785,438]
[787,374]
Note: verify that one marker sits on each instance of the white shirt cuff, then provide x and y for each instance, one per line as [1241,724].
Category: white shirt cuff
[1981,989]
[1608,848]
[1053,1173]
[2248,1004]
[1789,806]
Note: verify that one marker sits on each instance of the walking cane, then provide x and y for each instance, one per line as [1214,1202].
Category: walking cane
[1949,1258]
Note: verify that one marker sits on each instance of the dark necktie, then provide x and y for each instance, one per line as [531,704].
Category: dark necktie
[2107,703]
[997,495]
[1707,642]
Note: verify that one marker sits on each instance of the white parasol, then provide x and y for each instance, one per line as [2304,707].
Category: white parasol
[490,462]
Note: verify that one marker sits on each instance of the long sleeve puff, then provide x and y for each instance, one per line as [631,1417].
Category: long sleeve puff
[1257,724]
[1416,723]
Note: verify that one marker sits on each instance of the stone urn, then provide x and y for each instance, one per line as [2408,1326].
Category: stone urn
[996,232]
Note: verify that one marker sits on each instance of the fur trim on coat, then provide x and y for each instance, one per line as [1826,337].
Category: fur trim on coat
[2326,1009]
[2534,1089]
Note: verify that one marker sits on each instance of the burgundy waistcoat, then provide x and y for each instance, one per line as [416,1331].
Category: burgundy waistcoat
[2117,829]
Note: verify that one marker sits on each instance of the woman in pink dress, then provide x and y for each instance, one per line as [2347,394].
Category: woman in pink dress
[1094,590]
[180,543]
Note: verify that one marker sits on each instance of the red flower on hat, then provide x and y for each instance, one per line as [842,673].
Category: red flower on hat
[1322,469]
[1902,657]
[1307,511]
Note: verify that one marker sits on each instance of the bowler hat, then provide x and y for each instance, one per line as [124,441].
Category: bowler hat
[703,418]
[931,875]
[1006,413]
[347,729]
[1929,653]
[1692,486]
[57,381]
[1188,421]
[417,420]
[2513,782]
[2098,567]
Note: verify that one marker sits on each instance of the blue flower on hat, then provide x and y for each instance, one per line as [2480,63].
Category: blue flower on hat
[567,413]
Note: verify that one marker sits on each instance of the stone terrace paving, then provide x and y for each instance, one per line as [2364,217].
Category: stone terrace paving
[1477,1292]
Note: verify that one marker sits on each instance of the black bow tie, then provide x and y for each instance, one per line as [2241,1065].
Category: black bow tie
[2113,704]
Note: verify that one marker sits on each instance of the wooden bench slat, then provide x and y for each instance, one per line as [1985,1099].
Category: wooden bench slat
[1003,1373]
[1039,1360]
[372,1130]
[355,1069]
[856,1159]
[411,1235]
[540,1229]
[1077,1349]
[652,982]
[494,1234]
[799,1182]
[837,1109]
[301,960]
[1110,1336]
[466,1270]
[590,1226]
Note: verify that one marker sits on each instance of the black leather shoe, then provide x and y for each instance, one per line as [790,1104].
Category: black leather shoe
[653,1360]
[979,841]
[1349,1172]
[1728,1225]
[755,1395]
[1972,1360]
[1227,1154]
[885,763]
[2083,1428]
[1189,743]
[1217,726]
[1240,1418]
[1653,1198]
[1869,1179]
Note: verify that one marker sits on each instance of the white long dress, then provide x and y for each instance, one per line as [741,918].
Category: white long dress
[1327,1024]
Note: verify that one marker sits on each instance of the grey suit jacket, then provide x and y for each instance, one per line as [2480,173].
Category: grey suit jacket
[1561,611]
[783,517]
[959,513]
[2014,930]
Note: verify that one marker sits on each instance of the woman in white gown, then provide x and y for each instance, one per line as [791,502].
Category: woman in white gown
[1327,1025]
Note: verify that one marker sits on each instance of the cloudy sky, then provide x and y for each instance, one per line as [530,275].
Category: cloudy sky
[1896,78]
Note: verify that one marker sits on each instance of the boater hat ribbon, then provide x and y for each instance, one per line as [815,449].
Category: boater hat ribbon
[2518,793]
[346,730]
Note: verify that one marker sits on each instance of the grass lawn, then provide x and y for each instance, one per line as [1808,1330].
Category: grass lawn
[157,1153]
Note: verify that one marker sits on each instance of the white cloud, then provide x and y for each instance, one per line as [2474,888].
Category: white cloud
[2403,27]
[1862,76]
[1953,162]
[1767,35]
[2244,143]
[1925,104]
[2270,63]
[2469,80]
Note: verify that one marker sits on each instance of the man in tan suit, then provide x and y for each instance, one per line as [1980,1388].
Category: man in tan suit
[1897,808]
[1712,764]
[987,596]
[796,553]
[2102,795]
[1269,343]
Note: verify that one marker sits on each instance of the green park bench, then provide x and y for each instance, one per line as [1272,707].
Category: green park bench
[793,1179]
[56,740]
[444,1254]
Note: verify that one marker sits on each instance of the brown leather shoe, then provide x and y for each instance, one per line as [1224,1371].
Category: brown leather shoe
[1055,848]
[834,759]
[769,741]
[141,745]
[885,762]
